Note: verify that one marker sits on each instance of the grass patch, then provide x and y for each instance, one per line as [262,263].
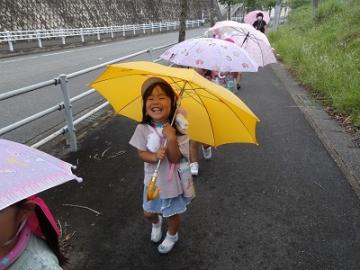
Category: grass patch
[324,52]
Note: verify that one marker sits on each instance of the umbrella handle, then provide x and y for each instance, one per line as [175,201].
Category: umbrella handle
[152,191]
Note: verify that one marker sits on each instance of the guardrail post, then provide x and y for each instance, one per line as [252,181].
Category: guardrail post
[167,26]
[160,26]
[71,136]
[112,31]
[39,39]
[82,35]
[9,40]
[152,28]
[198,23]
[98,33]
[144,30]
[133,26]
[123,27]
[63,40]
[150,51]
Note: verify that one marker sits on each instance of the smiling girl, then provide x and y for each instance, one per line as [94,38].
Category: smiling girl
[159,107]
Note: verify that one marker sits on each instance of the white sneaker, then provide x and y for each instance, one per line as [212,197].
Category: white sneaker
[194,168]
[167,245]
[156,233]
[207,153]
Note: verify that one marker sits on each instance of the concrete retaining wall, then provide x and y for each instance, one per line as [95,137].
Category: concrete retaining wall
[47,14]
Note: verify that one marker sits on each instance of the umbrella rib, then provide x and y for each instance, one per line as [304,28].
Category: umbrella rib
[262,53]
[132,101]
[239,120]
[220,100]
[257,41]
[211,124]
[199,95]
[176,82]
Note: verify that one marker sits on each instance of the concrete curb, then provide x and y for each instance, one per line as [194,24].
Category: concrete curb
[338,143]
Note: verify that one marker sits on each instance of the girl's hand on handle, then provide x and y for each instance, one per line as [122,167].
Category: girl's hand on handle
[160,154]
[172,148]
[169,132]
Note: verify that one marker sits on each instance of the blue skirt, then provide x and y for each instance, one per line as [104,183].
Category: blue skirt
[166,207]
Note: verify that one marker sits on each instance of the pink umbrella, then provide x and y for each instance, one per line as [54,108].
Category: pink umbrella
[247,37]
[25,171]
[228,28]
[251,17]
[211,54]
[257,49]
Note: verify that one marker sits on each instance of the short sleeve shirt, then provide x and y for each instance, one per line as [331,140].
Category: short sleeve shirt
[169,183]
[36,256]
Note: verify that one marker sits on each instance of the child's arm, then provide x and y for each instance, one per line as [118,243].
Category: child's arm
[150,157]
[172,149]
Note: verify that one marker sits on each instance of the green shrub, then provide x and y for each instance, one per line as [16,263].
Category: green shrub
[324,52]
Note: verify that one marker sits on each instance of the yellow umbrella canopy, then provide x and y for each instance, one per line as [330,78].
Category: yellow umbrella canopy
[216,116]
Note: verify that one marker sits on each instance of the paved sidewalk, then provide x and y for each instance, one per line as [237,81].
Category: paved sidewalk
[284,204]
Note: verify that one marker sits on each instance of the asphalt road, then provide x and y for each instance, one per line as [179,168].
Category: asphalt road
[281,205]
[22,71]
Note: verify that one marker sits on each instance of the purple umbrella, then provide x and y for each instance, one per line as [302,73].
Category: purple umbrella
[25,171]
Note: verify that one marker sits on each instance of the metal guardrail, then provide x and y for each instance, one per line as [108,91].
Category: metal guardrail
[62,80]
[12,36]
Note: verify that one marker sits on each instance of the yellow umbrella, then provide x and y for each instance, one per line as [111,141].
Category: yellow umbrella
[216,116]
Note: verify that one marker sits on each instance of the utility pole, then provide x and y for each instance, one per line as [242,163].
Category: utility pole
[229,11]
[211,13]
[183,16]
[277,14]
[315,4]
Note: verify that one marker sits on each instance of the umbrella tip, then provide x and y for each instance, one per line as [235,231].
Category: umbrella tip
[78,179]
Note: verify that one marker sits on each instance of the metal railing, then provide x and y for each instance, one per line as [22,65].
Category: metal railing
[62,80]
[125,30]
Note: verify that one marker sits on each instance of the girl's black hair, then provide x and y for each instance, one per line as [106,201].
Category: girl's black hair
[170,93]
[207,73]
[51,237]
[260,14]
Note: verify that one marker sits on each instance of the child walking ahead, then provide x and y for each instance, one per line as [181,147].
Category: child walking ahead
[29,237]
[174,177]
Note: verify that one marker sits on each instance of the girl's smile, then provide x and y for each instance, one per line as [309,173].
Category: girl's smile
[158,105]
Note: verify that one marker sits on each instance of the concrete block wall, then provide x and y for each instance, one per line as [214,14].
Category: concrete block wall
[50,14]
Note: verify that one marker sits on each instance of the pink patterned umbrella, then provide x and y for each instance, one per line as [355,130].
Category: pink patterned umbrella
[25,171]
[247,37]
[211,54]
[228,28]
[251,17]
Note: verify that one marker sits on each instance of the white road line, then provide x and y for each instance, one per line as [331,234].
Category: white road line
[18,60]
[49,54]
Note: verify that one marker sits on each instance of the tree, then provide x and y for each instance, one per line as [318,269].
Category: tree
[228,4]
[183,15]
[211,13]
[270,4]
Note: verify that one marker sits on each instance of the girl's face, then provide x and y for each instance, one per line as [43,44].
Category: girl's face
[9,223]
[158,105]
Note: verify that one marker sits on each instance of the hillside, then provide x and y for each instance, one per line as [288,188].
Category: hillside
[324,53]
